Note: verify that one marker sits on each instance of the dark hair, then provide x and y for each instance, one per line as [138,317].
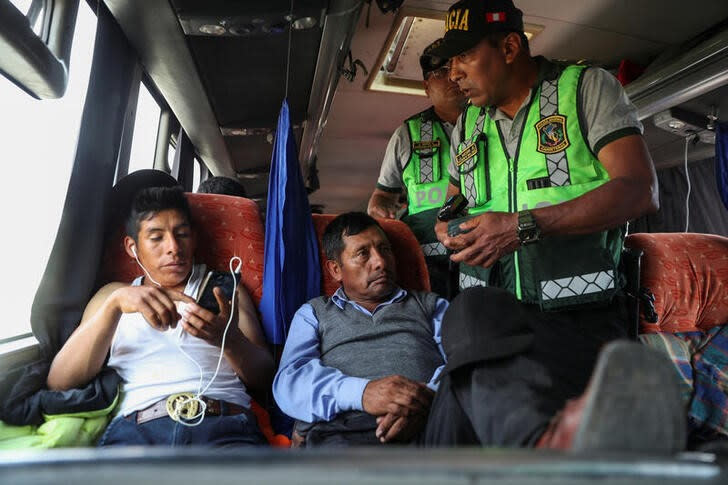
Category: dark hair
[222,185]
[150,201]
[495,38]
[349,224]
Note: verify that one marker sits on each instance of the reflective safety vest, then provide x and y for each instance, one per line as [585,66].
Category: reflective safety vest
[552,164]
[426,178]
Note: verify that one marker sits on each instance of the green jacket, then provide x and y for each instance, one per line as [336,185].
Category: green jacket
[61,430]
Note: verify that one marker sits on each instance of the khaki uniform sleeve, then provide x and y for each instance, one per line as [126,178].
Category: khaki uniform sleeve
[454,142]
[395,158]
[607,112]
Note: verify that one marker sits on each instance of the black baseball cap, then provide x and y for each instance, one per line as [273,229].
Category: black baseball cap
[468,21]
[430,63]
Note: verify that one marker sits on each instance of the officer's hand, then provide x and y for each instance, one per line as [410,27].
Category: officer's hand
[441,230]
[383,204]
[384,212]
[490,236]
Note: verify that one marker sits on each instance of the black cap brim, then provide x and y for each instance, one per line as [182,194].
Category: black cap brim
[456,42]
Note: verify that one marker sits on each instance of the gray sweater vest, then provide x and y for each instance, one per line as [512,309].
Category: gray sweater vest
[396,339]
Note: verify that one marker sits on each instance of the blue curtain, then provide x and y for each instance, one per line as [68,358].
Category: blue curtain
[721,161]
[291,271]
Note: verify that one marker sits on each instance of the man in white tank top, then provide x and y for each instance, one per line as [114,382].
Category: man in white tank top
[166,347]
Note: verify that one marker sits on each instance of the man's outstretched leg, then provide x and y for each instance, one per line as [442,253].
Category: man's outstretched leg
[632,403]
[511,367]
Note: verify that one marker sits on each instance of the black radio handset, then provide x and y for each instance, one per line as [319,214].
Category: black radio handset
[453,209]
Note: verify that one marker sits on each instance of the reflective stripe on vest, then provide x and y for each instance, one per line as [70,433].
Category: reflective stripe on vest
[433,249]
[427,169]
[577,285]
[469,281]
[467,165]
[557,163]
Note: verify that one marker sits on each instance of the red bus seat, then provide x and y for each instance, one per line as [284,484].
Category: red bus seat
[226,226]
[688,275]
[411,269]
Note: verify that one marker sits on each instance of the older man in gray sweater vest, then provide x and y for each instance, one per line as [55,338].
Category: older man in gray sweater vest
[361,367]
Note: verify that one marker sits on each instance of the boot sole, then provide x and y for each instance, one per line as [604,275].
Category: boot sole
[633,403]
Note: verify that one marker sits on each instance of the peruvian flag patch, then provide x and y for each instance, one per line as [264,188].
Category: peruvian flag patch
[495,17]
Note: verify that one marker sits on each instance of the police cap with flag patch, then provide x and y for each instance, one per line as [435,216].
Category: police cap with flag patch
[468,21]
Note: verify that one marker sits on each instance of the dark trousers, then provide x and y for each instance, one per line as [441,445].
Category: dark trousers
[220,431]
[353,428]
[509,401]
[439,269]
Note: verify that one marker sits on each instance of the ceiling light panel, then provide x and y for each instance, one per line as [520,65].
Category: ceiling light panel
[398,66]
[244,26]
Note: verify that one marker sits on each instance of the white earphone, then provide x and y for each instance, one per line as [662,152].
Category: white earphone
[133,251]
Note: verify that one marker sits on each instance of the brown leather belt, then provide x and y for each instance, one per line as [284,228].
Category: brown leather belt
[214,407]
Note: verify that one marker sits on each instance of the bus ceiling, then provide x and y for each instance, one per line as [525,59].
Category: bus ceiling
[221,66]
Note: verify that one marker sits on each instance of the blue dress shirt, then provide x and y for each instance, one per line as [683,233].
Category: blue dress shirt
[307,390]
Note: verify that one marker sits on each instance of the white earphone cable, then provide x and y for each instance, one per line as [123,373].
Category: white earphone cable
[200,415]
[133,250]
[197,418]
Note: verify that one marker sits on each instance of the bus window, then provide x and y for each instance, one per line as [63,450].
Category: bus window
[39,142]
[196,172]
[170,155]
[145,131]
[35,11]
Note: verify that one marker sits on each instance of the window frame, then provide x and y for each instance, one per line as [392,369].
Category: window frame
[38,64]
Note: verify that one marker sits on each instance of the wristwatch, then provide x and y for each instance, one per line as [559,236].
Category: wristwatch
[528,231]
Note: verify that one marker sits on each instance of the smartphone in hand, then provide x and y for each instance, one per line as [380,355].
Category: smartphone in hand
[223,279]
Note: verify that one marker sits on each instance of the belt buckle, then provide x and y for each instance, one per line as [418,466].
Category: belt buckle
[182,406]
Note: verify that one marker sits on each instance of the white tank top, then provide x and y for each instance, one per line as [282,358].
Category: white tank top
[152,366]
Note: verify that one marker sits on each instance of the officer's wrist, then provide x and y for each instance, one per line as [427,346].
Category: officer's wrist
[527,228]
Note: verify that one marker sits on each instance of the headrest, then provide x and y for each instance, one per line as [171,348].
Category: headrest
[411,269]
[226,226]
[688,275]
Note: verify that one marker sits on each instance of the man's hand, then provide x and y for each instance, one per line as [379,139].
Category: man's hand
[157,305]
[441,230]
[297,440]
[202,323]
[491,236]
[399,428]
[383,204]
[396,395]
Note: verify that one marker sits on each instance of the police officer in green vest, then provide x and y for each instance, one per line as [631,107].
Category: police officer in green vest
[553,164]
[417,160]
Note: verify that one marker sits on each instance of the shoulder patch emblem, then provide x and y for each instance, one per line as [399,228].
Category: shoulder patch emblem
[551,132]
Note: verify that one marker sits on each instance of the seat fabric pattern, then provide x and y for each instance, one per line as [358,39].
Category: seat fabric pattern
[688,274]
